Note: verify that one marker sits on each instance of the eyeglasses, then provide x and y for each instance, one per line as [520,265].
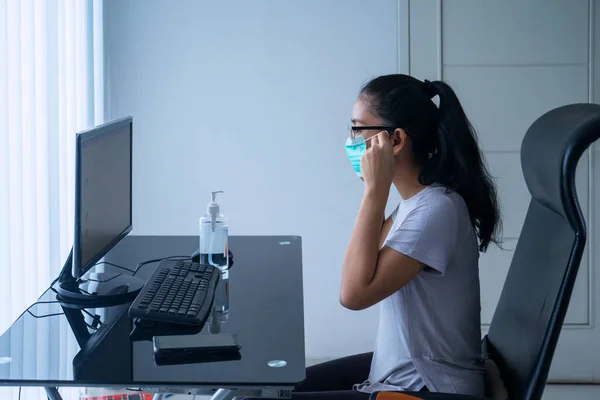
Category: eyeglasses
[354,130]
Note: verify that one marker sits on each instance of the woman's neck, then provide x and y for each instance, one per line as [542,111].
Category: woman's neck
[407,183]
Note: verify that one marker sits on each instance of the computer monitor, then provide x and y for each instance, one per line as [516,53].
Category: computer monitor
[103,215]
[103,172]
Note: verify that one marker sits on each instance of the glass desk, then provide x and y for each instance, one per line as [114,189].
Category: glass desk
[266,312]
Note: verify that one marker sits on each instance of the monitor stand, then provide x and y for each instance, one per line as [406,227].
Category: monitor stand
[97,290]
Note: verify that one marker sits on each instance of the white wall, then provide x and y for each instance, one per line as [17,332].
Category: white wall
[254,97]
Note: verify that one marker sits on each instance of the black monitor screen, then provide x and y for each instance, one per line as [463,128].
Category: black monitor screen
[102,192]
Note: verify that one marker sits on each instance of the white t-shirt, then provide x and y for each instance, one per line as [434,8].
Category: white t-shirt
[429,331]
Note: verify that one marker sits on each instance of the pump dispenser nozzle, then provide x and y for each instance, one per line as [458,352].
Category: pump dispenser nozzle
[213,207]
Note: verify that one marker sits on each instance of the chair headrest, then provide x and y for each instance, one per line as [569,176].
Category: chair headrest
[550,151]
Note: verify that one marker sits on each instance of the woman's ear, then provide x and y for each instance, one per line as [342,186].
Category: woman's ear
[398,138]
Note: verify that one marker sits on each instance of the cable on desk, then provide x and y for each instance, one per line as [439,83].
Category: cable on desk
[56,314]
[85,280]
[97,322]
[20,387]
[28,310]
[82,280]
[93,280]
[94,328]
[140,265]
[86,292]
[56,291]
[115,265]
[43,316]
[54,283]
[44,302]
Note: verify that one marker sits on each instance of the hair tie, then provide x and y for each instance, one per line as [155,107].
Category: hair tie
[429,89]
[433,153]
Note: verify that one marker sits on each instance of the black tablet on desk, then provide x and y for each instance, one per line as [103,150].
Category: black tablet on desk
[203,347]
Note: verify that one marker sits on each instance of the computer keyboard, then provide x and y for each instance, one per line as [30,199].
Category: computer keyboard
[180,292]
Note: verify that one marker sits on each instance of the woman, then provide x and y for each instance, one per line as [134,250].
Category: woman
[421,263]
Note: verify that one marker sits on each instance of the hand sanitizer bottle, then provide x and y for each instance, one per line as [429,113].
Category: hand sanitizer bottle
[214,250]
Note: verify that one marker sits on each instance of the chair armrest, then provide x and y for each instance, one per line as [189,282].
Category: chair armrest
[421,396]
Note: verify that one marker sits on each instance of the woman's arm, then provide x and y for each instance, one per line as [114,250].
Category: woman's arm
[385,229]
[363,249]
[369,274]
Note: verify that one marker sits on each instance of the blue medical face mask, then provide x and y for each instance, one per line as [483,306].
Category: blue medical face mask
[355,148]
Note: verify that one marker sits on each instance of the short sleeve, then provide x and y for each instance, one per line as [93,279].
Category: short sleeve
[394,213]
[428,233]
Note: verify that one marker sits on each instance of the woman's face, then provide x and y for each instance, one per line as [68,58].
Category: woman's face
[362,116]
[367,124]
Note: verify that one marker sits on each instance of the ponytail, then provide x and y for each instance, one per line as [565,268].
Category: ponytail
[461,165]
[443,142]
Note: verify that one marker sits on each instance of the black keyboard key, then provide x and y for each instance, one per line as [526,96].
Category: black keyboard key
[199,298]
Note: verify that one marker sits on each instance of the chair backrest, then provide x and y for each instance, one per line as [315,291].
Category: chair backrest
[528,319]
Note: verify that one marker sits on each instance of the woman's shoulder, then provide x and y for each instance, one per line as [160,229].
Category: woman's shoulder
[437,194]
[443,200]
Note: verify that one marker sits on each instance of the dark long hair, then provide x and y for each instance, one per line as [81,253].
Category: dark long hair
[443,141]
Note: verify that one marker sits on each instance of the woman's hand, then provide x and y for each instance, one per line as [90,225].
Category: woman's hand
[377,164]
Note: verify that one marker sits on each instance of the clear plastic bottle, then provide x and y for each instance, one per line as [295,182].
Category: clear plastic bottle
[214,235]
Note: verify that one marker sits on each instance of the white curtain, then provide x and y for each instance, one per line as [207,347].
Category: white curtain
[51,86]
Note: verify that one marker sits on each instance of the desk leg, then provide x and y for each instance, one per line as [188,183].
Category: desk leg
[224,394]
[52,393]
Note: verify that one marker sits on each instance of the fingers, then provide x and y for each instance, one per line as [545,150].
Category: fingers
[385,137]
[382,139]
[375,140]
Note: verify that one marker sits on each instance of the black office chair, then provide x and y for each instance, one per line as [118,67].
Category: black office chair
[527,322]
